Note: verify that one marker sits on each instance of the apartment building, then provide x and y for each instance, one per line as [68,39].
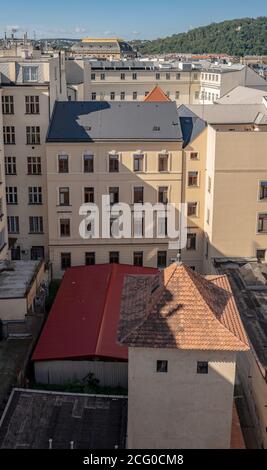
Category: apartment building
[235,195]
[217,81]
[29,88]
[131,80]
[3,211]
[103,48]
[134,153]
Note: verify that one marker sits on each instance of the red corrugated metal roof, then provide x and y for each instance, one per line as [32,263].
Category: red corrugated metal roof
[84,318]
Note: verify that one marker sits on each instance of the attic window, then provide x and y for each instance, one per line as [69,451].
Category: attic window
[202,368]
[162,366]
[156,128]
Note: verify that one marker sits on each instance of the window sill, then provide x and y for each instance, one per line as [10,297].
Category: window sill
[34,174]
[36,233]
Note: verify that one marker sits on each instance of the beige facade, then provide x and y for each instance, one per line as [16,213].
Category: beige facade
[235,194]
[29,90]
[181,408]
[3,210]
[89,81]
[101,180]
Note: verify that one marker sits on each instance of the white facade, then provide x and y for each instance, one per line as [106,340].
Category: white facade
[180,409]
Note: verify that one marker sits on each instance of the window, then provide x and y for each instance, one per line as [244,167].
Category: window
[261,255]
[35,195]
[65,227]
[37,252]
[102,76]
[193,155]
[209,184]
[202,368]
[89,195]
[162,226]
[112,96]
[88,163]
[196,95]
[192,209]
[157,76]
[113,163]
[138,194]
[90,258]
[2,239]
[65,261]
[92,76]
[138,225]
[8,104]
[63,163]
[114,195]
[64,196]
[93,96]
[177,95]
[11,195]
[122,95]
[13,224]
[178,76]
[30,74]
[122,76]
[262,223]
[134,76]
[34,165]
[193,178]
[32,104]
[263,190]
[168,76]
[208,216]
[10,166]
[162,366]
[138,258]
[138,162]
[146,93]
[191,241]
[162,259]
[36,224]
[33,135]
[114,257]
[9,135]
[163,162]
[134,95]
[163,194]
[195,77]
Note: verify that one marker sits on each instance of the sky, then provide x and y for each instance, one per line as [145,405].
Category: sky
[137,19]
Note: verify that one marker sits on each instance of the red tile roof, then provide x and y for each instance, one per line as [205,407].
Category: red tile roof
[84,318]
[180,309]
[157,94]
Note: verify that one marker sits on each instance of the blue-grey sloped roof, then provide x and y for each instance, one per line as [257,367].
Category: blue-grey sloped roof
[89,121]
[191,124]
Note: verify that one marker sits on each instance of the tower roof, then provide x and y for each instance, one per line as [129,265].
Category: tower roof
[180,309]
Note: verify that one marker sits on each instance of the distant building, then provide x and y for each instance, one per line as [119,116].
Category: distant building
[103,48]
[183,332]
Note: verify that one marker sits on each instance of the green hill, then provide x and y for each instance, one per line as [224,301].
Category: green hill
[236,37]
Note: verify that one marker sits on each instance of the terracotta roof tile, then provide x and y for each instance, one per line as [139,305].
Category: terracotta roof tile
[181,309]
[157,94]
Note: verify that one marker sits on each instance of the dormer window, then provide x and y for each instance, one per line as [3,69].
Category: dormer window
[162,367]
